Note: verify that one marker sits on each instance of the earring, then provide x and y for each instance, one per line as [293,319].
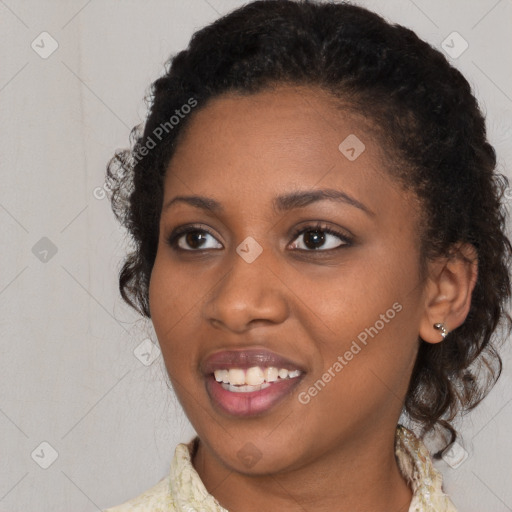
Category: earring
[442,328]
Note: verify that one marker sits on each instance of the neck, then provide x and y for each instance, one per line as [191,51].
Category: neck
[360,475]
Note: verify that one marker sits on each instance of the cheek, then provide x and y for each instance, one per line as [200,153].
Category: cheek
[366,363]
[171,291]
[366,286]
[173,305]
[372,309]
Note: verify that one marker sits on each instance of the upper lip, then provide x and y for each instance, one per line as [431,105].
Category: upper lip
[246,358]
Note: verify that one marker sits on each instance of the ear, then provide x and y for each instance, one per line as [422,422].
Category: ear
[448,291]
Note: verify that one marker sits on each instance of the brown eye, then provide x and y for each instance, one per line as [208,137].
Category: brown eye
[193,239]
[315,238]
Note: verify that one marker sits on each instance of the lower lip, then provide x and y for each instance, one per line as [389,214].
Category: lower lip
[251,403]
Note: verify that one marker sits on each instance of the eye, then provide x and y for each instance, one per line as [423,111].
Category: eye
[319,237]
[192,239]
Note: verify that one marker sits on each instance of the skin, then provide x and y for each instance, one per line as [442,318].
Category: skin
[336,452]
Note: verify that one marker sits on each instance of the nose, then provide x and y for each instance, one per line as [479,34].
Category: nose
[248,294]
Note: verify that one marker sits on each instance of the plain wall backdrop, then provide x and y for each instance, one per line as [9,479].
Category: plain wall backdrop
[85,421]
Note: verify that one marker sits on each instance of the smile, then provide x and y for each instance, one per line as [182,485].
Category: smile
[250,381]
[239,380]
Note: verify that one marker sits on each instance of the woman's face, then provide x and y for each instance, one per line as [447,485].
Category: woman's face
[303,256]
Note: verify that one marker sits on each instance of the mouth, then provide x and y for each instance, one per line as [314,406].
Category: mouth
[249,382]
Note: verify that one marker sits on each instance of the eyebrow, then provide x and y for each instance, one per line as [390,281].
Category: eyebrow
[280,204]
[301,199]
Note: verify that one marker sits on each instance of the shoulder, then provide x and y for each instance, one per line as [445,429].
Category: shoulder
[156,499]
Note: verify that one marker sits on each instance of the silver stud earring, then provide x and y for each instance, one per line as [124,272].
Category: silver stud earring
[442,329]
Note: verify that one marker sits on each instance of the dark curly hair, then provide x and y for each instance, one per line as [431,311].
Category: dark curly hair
[425,115]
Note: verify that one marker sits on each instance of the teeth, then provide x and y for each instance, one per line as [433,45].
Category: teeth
[236,376]
[245,389]
[254,376]
[271,374]
[252,379]
[283,373]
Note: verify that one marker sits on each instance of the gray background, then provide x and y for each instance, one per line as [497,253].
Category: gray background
[74,366]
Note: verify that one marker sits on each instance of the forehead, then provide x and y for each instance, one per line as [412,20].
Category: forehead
[278,140]
[291,122]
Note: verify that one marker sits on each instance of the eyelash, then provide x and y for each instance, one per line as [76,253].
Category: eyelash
[175,236]
[345,240]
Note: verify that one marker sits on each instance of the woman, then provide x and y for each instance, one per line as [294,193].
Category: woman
[319,243]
